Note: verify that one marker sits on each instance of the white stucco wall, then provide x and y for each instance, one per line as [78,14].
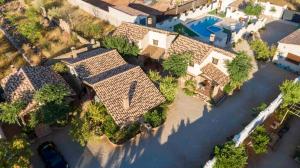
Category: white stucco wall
[113,16]
[268,9]
[282,52]
[196,69]
[225,3]
[117,17]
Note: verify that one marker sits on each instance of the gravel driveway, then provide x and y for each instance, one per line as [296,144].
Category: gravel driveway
[192,129]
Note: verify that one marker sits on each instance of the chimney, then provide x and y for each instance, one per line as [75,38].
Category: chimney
[212,38]
[13,68]
[126,102]
[74,53]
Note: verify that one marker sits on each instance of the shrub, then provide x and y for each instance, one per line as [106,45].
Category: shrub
[261,50]
[60,67]
[2,2]
[168,87]
[80,131]
[291,93]
[260,140]
[262,106]
[15,153]
[177,64]
[252,9]
[154,76]
[230,156]
[30,30]
[122,45]
[109,126]
[126,133]
[156,117]
[52,93]
[190,87]
[9,112]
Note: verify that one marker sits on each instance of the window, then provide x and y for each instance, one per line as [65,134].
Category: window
[155,42]
[215,61]
[150,21]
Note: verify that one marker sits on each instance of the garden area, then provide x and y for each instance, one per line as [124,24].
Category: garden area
[8,56]
[34,25]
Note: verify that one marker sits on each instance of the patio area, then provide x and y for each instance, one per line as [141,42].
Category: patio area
[192,128]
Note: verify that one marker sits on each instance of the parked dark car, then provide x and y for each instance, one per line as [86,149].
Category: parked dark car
[51,156]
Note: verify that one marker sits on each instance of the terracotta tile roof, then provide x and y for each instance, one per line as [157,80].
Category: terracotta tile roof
[133,86]
[199,49]
[113,79]
[135,32]
[83,55]
[129,10]
[211,71]
[293,38]
[22,83]
[95,62]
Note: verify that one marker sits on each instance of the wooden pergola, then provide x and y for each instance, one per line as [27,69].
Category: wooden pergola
[293,109]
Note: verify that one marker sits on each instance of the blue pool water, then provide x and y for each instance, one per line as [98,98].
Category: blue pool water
[204,26]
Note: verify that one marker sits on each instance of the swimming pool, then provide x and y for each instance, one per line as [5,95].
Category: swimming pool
[205,26]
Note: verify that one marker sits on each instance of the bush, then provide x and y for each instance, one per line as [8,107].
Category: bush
[168,87]
[190,87]
[30,30]
[229,156]
[157,116]
[261,50]
[122,45]
[2,2]
[291,93]
[60,68]
[52,93]
[262,106]
[80,131]
[177,64]
[154,76]
[126,133]
[228,88]
[260,140]
[252,9]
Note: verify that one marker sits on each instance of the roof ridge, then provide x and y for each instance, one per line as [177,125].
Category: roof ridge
[106,52]
[27,77]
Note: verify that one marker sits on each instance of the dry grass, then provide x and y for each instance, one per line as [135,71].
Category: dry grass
[8,56]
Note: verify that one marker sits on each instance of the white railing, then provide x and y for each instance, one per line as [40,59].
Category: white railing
[263,115]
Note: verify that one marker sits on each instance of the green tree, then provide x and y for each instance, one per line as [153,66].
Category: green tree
[189,87]
[80,131]
[50,113]
[168,87]
[122,45]
[261,50]
[15,153]
[60,67]
[239,69]
[9,112]
[260,140]
[2,2]
[252,9]
[157,116]
[52,93]
[30,30]
[177,64]
[291,93]
[230,156]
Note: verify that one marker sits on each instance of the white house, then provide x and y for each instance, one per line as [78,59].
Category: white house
[114,14]
[208,67]
[288,52]
[152,42]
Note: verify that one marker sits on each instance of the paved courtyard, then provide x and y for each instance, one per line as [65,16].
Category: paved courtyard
[276,30]
[192,129]
[75,155]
